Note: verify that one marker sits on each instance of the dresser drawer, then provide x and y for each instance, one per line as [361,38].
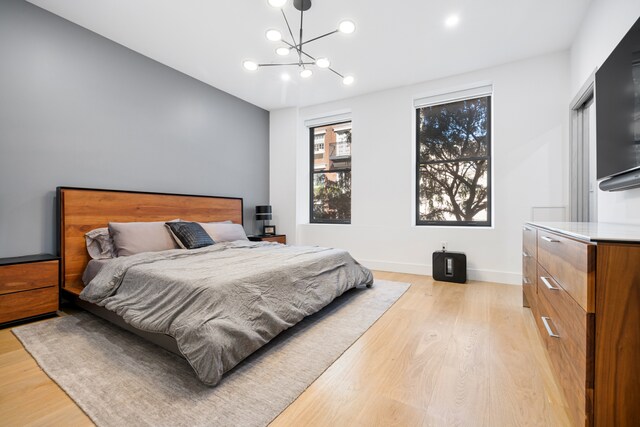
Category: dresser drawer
[529,280]
[529,245]
[20,305]
[572,265]
[23,277]
[568,332]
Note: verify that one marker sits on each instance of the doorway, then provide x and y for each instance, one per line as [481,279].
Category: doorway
[584,183]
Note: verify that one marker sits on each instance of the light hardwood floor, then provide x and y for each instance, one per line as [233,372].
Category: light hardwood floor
[443,355]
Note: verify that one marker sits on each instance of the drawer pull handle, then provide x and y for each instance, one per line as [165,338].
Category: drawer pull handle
[545,321]
[547,283]
[526,255]
[549,239]
[526,281]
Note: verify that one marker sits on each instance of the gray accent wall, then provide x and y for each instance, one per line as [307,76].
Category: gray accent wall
[77,109]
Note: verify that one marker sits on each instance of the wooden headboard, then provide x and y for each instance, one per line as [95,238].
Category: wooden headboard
[81,210]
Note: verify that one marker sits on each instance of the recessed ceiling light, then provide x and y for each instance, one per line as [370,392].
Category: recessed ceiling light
[452,21]
[277,3]
[250,65]
[348,80]
[283,51]
[306,73]
[323,62]
[346,27]
[285,77]
[274,35]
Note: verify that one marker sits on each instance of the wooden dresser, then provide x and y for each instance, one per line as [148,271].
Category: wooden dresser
[28,287]
[582,283]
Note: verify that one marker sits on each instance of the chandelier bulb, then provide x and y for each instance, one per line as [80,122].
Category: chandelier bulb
[323,62]
[273,35]
[348,80]
[346,27]
[277,3]
[250,65]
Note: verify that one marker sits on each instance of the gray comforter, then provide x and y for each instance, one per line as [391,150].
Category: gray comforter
[223,302]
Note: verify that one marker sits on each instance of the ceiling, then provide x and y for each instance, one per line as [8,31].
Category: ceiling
[396,43]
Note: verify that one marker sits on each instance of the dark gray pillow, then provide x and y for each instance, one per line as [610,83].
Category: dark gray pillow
[189,235]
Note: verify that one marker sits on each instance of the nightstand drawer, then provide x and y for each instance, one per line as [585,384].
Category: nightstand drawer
[278,238]
[20,305]
[24,277]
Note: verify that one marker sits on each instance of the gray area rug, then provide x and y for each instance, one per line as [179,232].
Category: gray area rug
[119,379]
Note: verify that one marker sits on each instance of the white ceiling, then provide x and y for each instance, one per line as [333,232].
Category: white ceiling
[396,42]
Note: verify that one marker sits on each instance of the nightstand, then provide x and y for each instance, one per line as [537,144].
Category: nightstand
[279,238]
[28,286]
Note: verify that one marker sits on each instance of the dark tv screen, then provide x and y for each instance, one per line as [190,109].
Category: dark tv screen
[618,108]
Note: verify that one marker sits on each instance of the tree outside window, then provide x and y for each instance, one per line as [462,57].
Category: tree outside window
[331,173]
[453,163]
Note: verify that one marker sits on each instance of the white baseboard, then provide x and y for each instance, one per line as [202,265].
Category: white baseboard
[425,270]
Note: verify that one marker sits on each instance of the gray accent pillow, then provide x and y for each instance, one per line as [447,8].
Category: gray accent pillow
[224,232]
[130,238]
[189,235]
[99,244]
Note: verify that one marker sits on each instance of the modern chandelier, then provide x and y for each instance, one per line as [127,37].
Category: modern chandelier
[304,59]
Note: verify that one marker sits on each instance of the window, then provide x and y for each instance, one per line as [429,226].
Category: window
[318,144]
[330,173]
[343,143]
[453,144]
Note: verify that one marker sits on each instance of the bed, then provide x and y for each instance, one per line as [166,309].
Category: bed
[213,305]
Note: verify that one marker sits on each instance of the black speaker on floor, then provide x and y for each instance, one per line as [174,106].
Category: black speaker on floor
[450,266]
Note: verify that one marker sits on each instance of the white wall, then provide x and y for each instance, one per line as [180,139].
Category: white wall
[282,176]
[530,134]
[604,25]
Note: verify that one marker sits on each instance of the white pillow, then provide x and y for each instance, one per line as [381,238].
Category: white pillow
[224,232]
[99,244]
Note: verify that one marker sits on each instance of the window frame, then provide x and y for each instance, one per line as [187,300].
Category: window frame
[489,157]
[312,172]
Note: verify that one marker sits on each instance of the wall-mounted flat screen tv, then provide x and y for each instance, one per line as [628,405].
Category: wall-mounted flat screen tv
[618,108]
